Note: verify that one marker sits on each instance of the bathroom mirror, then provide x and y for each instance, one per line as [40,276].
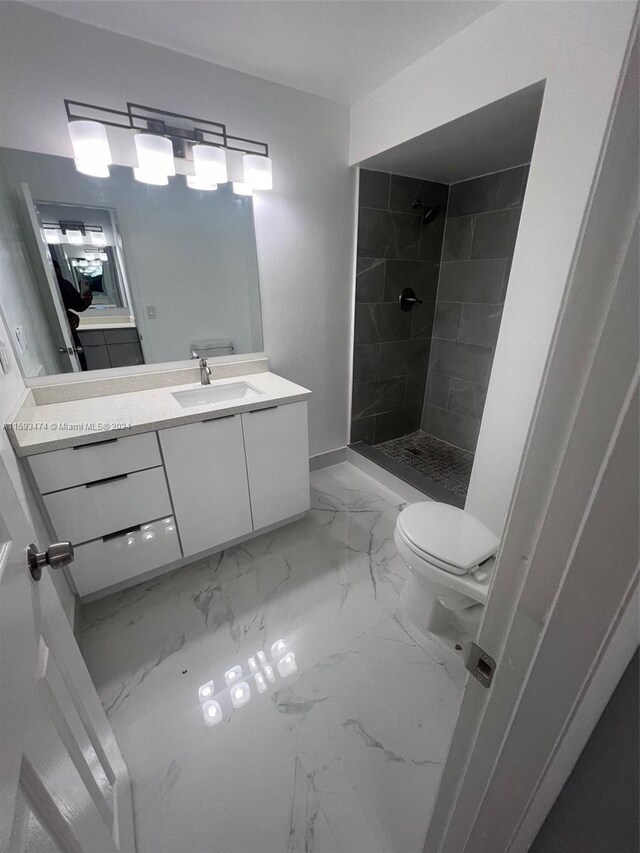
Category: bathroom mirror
[114,273]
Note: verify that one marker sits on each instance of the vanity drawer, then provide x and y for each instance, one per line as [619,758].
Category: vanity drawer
[92,511]
[61,469]
[118,558]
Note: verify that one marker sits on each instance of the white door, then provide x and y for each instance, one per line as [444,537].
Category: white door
[64,786]
[207,477]
[58,310]
[277,448]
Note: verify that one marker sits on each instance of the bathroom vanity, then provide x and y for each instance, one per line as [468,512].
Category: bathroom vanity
[145,480]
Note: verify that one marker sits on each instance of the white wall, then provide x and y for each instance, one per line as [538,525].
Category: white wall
[578,48]
[304,227]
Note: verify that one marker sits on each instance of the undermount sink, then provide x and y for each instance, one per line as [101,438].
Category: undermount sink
[207,394]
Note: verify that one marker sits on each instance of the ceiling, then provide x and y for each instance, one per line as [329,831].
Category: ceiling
[339,49]
[495,137]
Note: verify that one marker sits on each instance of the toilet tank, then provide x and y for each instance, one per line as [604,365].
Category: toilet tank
[212,347]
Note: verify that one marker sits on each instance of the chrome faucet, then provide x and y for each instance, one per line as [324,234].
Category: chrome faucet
[205,372]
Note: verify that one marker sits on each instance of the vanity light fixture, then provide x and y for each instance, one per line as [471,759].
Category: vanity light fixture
[90,147]
[75,233]
[51,236]
[161,137]
[74,237]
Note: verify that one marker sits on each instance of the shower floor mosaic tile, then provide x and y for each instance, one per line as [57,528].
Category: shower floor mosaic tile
[441,462]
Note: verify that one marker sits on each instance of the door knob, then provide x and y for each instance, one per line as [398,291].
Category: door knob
[57,555]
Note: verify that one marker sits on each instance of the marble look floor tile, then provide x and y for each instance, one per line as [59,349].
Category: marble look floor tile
[344,754]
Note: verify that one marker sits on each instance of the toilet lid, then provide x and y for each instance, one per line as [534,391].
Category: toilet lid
[448,534]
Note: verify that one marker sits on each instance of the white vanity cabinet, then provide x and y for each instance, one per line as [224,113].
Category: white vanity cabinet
[207,476]
[277,450]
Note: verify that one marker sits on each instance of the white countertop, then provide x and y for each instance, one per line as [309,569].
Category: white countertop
[40,428]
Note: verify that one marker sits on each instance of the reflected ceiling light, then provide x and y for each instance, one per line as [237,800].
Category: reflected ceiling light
[205,691]
[232,675]
[90,147]
[240,694]
[51,235]
[196,183]
[253,666]
[277,648]
[257,172]
[261,684]
[212,713]
[261,657]
[287,666]
[268,671]
[155,158]
[240,188]
[98,238]
[210,164]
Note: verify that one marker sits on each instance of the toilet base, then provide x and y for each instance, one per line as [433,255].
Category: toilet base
[430,617]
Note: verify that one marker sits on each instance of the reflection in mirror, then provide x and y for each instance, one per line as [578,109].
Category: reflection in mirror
[114,273]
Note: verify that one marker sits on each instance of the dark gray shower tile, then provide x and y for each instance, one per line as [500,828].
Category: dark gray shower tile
[376,323]
[480,324]
[422,320]
[372,398]
[414,395]
[374,189]
[431,237]
[490,192]
[472,281]
[495,234]
[401,357]
[447,320]
[437,393]
[467,398]
[447,426]
[375,233]
[458,237]
[464,361]
[370,274]
[422,276]
[404,190]
[366,362]
[363,430]
[393,424]
[406,235]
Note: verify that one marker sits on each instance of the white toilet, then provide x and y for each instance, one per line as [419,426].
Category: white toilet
[450,557]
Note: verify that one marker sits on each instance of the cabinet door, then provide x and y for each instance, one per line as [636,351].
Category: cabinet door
[207,478]
[277,449]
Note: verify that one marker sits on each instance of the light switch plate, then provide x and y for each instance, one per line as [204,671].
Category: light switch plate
[151,312]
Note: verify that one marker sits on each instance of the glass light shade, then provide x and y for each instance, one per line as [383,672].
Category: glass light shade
[51,235]
[155,155]
[257,172]
[145,177]
[196,183]
[242,189]
[75,238]
[90,147]
[210,164]
[98,238]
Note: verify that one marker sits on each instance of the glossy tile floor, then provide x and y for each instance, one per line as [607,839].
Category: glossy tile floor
[342,754]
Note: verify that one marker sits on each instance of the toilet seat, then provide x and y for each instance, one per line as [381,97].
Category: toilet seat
[446,537]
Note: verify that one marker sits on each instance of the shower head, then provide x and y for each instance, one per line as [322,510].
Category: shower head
[428,213]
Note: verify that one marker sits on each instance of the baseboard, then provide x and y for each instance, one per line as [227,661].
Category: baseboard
[331,457]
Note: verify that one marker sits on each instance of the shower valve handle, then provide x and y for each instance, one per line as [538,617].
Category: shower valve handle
[408,299]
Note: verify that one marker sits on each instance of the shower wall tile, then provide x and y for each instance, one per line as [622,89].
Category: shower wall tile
[373,398]
[480,235]
[495,234]
[370,274]
[403,357]
[422,276]
[391,352]
[374,189]
[480,324]
[447,320]
[450,427]
[462,361]
[366,362]
[489,192]
[472,281]
[438,389]
[378,322]
[458,237]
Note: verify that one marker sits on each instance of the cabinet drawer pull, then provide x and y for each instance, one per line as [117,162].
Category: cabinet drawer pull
[94,444]
[119,533]
[106,480]
[266,409]
[217,418]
